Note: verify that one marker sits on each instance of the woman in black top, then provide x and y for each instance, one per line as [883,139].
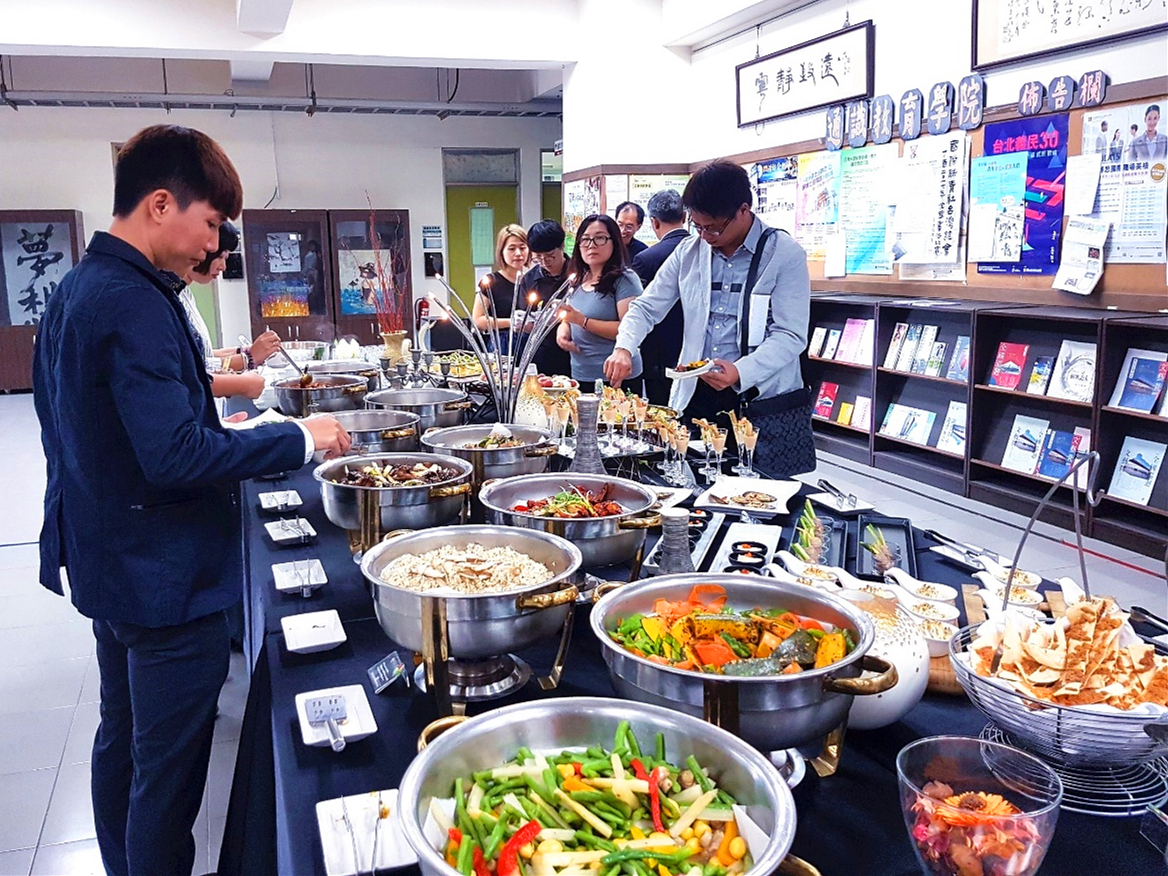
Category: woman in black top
[492,305]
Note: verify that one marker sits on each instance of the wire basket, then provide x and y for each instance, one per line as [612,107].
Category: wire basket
[1073,736]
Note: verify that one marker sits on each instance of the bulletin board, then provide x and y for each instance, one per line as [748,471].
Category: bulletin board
[1138,287]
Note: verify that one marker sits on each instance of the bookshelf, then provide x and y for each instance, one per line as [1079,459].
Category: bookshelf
[979,472]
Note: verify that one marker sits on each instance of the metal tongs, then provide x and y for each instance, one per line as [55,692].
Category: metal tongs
[842,499]
[295,526]
[973,555]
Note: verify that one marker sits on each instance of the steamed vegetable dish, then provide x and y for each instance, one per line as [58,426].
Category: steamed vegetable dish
[414,475]
[705,635]
[598,811]
[494,442]
[573,503]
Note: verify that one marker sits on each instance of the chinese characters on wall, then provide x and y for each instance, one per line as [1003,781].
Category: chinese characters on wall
[36,256]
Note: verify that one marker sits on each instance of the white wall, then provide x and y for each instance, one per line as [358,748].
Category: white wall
[62,159]
[687,108]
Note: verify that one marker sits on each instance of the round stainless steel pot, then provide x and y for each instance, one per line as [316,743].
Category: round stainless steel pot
[371,373]
[604,541]
[380,431]
[553,725]
[377,510]
[435,408]
[479,626]
[531,457]
[772,712]
[339,392]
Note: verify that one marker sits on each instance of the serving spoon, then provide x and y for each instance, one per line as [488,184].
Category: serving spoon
[305,377]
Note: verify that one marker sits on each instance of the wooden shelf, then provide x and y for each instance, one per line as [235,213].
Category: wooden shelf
[927,447]
[1151,509]
[928,377]
[840,363]
[1042,479]
[1139,415]
[839,425]
[1020,393]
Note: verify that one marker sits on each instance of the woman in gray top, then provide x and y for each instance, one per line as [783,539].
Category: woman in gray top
[592,314]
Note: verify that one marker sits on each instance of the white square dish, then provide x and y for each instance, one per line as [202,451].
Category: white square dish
[313,631]
[357,724]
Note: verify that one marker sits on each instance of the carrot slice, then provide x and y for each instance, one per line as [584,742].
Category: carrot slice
[716,592]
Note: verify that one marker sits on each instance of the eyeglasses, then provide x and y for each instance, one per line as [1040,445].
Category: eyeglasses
[627,226]
[544,257]
[711,230]
[599,240]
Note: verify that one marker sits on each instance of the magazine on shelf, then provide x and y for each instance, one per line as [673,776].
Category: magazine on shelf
[895,344]
[924,349]
[849,341]
[866,349]
[908,349]
[862,412]
[1025,444]
[959,361]
[908,423]
[1058,453]
[952,437]
[1074,372]
[1136,470]
[818,336]
[833,338]
[845,413]
[936,360]
[1008,365]
[1140,380]
[825,401]
[1040,375]
[1082,449]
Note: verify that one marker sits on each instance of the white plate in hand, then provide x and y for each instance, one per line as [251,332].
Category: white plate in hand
[364,810]
[313,631]
[357,724]
[674,374]
[827,500]
[781,491]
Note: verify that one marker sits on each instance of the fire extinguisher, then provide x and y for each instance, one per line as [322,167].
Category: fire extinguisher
[422,306]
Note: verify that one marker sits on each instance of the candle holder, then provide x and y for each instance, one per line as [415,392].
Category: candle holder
[587,458]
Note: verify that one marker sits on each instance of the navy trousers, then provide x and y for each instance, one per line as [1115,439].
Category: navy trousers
[159,693]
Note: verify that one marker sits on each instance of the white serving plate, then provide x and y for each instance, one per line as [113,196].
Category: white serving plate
[673,496]
[313,631]
[280,500]
[827,500]
[295,576]
[358,723]
[783,491]
[337,843]
[764,533]
[290,530]
[674,374]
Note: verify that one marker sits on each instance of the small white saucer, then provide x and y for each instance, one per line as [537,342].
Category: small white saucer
[364,811]
[280,500]
[299,576]
[313,631]
[290,530]
[357,724]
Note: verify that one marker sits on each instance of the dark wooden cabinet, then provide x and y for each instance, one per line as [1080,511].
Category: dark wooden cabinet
[371,260]
[37,249]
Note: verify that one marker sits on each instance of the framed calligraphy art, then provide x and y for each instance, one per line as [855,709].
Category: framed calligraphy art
[1010,31]
[831,69]
[38,247]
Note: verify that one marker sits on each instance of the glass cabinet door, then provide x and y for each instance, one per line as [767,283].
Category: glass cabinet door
[289,282]
[371,273]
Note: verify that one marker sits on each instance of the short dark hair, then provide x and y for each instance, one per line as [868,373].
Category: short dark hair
[1154,108]
[640,210]
[185,162]
[545,236]
[666,207]
[228,242]
[718,190]
[617,262]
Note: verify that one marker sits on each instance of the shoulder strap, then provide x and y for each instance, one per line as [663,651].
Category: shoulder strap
[748,289]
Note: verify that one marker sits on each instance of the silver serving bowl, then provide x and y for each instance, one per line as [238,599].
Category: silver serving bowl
[337,392]
[604,541]
[531,457]
[771,712]
[378,510]
[371,373]
[380,431]
[435,408]
[486,625]
[553,725]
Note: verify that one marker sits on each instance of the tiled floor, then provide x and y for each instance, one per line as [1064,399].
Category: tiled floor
[49,684]
[49,693]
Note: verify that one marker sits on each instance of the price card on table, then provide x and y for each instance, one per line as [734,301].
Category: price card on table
[385,672]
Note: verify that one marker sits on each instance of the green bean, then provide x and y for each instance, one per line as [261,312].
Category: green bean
[660,751]
[645,854]
[631,739]
[524,755]
[590,839]
[620,741]
[465,855]
[614,871]
[724,798]
[495,840]
[699,773]
[482,777]
[586,796]
[595,753]
[551,780]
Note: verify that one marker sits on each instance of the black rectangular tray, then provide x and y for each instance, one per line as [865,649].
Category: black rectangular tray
[837,551]
[898,531]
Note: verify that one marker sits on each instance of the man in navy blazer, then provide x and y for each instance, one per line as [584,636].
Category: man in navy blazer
[140,507]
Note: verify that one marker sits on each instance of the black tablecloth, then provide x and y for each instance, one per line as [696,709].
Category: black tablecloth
[848,824]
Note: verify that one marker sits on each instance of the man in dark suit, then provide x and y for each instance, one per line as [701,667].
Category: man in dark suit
[141,505]
[629,219]
[661,347]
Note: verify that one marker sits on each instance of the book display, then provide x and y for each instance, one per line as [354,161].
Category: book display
[953,429]
[1141,381]
[1040,375]
[1073,377]
[1008,365]
[959,361]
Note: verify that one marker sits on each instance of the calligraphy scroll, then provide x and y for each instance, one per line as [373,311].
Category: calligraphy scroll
[36,256]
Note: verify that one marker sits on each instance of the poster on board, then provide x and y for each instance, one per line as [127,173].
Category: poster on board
[775,184]
[865,195]
[817,201]
[581,198]
[1044,140]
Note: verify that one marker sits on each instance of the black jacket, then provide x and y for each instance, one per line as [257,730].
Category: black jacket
[662,346]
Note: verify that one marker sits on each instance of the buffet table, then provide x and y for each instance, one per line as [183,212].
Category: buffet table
[848,824]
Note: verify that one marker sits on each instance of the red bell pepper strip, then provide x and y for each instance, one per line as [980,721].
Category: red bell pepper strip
[455,837]
[480,863]
[509,855]
[579,768]
[655,799]
[639,769]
